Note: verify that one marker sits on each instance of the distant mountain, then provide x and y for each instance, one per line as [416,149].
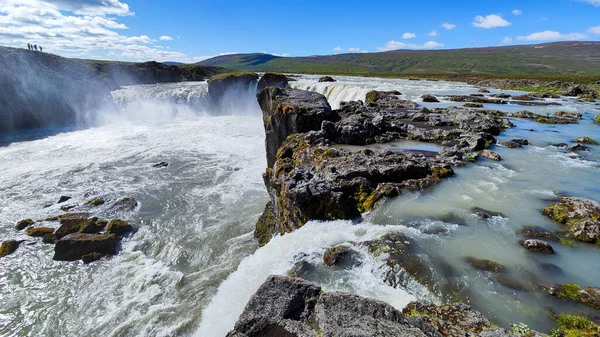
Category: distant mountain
[547,58]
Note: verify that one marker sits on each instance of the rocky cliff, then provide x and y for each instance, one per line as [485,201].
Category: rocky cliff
[39,89]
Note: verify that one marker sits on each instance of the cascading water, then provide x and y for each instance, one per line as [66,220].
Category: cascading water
[193,262]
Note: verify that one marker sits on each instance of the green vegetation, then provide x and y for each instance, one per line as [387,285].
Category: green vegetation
[566,61]
[521,329]
[575,326]
[232,74]
[567,243]
[569,291]
[597,118]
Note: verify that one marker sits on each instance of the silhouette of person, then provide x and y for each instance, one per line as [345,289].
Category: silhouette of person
[41,49]
[28,46]
[35,47]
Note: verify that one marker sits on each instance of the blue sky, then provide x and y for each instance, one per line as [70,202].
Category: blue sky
[192,30]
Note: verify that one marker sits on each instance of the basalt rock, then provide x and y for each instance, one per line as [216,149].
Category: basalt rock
[334,255]
[273,80]
[220,85]
[38,232]
[512,144]
[537,246]
[582,217]
[473,105]
[8,247]
[21,225]
[64,198]
[374,95]
[75,246]
[125,204]
[291,111]
[544,119]
[537,232]
[327,79]
[491,155]
[287,307]
[430,99]
[566,114]
[118,227]
[477,99]
[573,292]
[72,223]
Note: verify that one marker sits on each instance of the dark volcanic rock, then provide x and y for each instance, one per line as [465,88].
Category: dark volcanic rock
[229,84]
[512,145]
[430,99]
[582,217]
[537,246]
[586,140]
[160,165]
[74,246]
[327,79]
[334,255]
[273,80]
[538,232]
[485,214]
[8,247]
[38,232]
[290,111]
[374,95]
[64,198]
[125,204]
[72,223]
[473,105]
[544,119]
[477,99]
[118,227]
[523,142]
[21,225]
[483,264]
[566,114]
[287,307]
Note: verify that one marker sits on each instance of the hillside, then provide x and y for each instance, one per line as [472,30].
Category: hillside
[40,89]
[576,58]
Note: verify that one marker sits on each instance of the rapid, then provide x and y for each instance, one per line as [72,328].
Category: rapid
[193,262]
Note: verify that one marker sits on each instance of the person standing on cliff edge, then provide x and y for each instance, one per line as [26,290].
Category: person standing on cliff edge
[41,49]
[29,46]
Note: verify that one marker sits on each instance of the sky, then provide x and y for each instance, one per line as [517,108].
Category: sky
[193,30]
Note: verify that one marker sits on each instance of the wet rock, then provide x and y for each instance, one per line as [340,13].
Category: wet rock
[485,214]
[327,79]
[220,85]
[74,246]
[523,142]
[573,292]
[538,232]
[334,255]
[430,99]
[559,145]
[118,227]
[38,232]
[476,99]
[452,320]
[578,147]
[92,257]
[67,208]
[566,114]
[50,239]
[300,269]
[290,111]
[8,247]
[483,264]
[273,80]
[537,246]
[512,283]
[72,223]
[96,202]
[160,165]
[524,98]
[64,198]
[125,204]
[581,216]
[473,105]
[544,119]
[505,96]
[483,90]
[512,145]
[490,155]
[92,226]
[374,95]
[586,140]
[21,225]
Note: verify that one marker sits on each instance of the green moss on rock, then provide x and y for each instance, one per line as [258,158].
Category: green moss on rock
[558,212]
[24,224]
[334,255]
[576,326]
[118,227]
[96,202]
[569,291]
[38,232]
[8,247]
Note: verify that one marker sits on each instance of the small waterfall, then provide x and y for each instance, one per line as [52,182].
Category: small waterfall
[336,92]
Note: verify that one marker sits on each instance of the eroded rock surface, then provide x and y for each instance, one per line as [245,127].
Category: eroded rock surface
[582,217]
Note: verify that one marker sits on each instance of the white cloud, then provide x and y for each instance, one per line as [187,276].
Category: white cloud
[490,21]
[517,12]
[79,28]
[507,40]
[337,49]
[594,30]
[282,55]
[592,2]
[393,45]
[407,36]
[448,26]
[166,38]
[433,33]
[549,35]
[354,50]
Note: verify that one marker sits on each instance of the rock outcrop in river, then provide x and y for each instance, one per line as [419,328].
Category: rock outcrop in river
[288,307]
[310,177]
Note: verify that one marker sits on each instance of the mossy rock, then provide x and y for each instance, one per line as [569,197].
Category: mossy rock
[586,140]
[118,227]
[483,264]
[75,246]
[96,202]
[374,95]
[233,75]
[92,226]
[73,223]
[21,225]
[558,212]
[576,326]
[335,255]
[38,232]
[92,257]
[597,119]
[50,239]
[9,247]
[125,204]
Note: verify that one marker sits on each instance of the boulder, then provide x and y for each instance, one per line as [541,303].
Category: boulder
[327,79]
[125,204]
[96,202]
[512,145]
[523,142]
[586,140]
[573,292]
[538,232]
[273,80]
[477,99]
[473,105]
[581,216]
[234,82]
[374,95]
[491,155]
[50,239]
[290,111]
[72,223]
[483,264]
[484,90]
[38,232]
[74,246]
[8,247]
[430,99]
[21,225]
[118,227]
[485,214]
[537,246]
[334,255]
[566,114]
[160,164]
[92,226]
